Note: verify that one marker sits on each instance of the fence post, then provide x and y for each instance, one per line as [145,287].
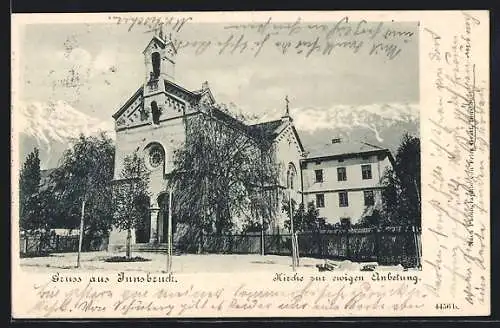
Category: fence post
[417,250]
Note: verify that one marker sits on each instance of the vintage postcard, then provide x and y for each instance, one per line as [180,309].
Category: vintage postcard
[250,164]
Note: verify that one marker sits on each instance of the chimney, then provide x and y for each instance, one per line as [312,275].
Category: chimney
[336,140]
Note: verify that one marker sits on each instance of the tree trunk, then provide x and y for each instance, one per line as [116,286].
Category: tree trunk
[128,247]
[262,245]
[417,190]
[169,233]
[80,239]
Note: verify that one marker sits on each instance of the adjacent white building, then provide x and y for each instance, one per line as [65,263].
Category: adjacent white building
[343,179]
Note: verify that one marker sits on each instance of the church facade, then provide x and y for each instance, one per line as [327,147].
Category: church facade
[153,123]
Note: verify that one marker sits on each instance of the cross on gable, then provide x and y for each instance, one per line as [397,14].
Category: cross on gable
[287,102]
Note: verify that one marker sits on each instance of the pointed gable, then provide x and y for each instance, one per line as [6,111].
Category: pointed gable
[274,131]
[155,43]
[138,94]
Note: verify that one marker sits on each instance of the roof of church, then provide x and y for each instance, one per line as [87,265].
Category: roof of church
[163,42]
[268,129]
[195,95]
[271,129]
[139,92]
[180,88]
[227,118]
[343,149]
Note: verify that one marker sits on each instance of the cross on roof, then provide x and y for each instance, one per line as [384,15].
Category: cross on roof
[287,102]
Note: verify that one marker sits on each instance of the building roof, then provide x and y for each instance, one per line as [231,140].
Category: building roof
[269,129]
[162,43]
[343,149]
[272,129]
[227,118]
[191,95]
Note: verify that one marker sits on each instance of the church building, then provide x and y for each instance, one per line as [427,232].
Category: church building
[152,123]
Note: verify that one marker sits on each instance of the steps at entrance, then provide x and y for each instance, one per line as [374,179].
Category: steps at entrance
[154,248]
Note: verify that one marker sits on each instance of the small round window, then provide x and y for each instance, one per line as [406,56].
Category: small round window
[155,156]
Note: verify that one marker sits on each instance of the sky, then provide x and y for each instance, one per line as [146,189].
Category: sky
[95,68]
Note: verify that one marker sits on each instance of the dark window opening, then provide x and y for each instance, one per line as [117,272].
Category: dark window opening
[369,198]
[343,200]
[341,160]
[291,176]
[319,175]
[320,200]
[155,111]
[345,223]
[366,171]
[155,60]
[341,174]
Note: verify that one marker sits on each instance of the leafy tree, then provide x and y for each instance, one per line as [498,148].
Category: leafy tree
[131,197]
[304,219]
[222,173]
[29,184]
[85,175]
[375,219]
[401,195]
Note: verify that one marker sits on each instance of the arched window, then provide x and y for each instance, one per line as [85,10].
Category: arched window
[291,176]
[155,156]
[155,111]
[155,60]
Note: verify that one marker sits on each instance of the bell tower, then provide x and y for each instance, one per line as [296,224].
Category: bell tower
[159,66]
[159,61]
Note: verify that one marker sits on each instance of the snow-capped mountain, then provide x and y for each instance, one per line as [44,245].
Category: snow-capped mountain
[380,124]
[50,126]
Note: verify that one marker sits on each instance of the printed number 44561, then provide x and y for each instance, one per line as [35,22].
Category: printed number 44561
[446,306]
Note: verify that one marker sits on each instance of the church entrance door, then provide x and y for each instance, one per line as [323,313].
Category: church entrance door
[143,231]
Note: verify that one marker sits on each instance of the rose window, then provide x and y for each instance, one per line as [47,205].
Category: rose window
[155,157]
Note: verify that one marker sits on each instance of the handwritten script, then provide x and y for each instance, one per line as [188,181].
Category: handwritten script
[459,155]
[293,38]
[187,299]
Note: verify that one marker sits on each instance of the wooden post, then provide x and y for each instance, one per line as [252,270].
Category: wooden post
[297,254]
[80,240]
[169,233]
[262,236]
[294,254]
[417,248]
[128,246]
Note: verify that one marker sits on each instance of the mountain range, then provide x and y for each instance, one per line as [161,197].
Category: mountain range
[51,126]
[379,124]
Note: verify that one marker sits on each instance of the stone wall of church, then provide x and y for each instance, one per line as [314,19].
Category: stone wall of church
[170,134]
[287,152]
